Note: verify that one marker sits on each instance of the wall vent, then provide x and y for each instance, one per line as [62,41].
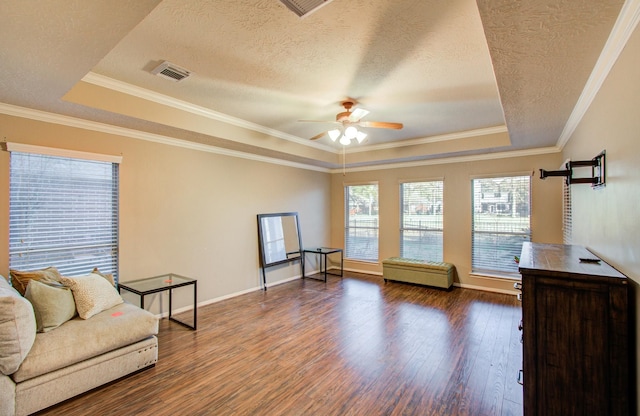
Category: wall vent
[304,7]
[170,71]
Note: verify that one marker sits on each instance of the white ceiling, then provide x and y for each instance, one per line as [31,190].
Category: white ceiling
[464,77]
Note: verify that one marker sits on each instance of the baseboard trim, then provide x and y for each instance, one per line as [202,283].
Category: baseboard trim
[280,282]
[485,289]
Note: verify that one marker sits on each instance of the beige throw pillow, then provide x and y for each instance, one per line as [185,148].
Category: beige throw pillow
[17,328]
[92,293]
[53,305]
[107,276]
[20,279]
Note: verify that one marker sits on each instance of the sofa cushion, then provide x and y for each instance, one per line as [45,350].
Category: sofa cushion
[92,293]
[80,339]
[17,328]
[52,304]
[20,279]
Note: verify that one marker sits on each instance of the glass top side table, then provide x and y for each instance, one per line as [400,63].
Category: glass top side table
[168,282]
[324,252]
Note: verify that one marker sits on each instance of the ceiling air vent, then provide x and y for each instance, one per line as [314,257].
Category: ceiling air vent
[304,7]
[171,71]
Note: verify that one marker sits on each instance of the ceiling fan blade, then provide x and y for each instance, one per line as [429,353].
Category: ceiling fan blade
[317,136]
[357,114]
[381,125]
[319,121]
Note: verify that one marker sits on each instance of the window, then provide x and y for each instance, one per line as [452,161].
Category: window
[361,222]
[501,223]
[63,212]
[421,220]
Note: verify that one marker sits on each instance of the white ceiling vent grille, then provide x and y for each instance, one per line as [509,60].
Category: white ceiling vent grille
[304,7]
[171,71]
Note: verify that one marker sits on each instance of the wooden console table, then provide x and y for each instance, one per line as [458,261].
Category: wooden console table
[575,327]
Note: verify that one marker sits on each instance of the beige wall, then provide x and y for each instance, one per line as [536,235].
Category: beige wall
[546,208]
[606,220]
[186,211]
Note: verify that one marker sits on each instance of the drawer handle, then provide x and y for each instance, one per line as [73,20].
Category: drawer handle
[517,286]
[519,297]
[520,326]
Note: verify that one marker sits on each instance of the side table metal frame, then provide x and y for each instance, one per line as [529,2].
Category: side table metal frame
[143,293]
[324,252]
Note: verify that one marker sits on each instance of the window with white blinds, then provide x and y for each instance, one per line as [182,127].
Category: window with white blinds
[421,213]
[501,223]
[361,222]
[567,226]
[63,212]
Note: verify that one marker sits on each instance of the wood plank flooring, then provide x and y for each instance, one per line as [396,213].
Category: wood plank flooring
[351,346]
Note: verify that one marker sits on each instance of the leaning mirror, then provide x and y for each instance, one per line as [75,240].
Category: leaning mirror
[279,239]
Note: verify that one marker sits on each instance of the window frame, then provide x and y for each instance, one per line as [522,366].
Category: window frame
[27,201]
[403,228]
[350,251]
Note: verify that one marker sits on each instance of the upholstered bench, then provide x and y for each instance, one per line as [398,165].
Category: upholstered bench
[428,273]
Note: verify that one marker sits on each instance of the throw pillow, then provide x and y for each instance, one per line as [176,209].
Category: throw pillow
[17,328]
[107,276]
[92,294]
[20,279]
[53,305]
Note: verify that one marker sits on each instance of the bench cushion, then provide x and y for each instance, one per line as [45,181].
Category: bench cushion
[431,265]
[438,274]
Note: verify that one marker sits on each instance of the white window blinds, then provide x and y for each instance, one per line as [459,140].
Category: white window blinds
[501,223]
[567,225]
[361,222]
[63,212]
[421,212]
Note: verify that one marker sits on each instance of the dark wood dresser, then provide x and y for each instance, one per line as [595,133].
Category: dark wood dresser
[575,327]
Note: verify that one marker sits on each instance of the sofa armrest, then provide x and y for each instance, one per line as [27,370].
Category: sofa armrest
[8,394]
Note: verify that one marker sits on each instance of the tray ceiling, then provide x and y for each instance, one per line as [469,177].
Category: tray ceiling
[464,77]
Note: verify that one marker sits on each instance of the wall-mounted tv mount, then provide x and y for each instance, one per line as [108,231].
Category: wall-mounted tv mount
[597,165]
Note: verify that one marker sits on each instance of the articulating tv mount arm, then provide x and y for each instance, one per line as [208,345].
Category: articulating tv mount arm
[597,165]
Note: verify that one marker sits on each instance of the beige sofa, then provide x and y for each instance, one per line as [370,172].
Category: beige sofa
[40,369]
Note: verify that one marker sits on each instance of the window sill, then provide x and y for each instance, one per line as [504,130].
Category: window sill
[489,276]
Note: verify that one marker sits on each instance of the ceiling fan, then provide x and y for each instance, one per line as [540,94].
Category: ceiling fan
[349,122]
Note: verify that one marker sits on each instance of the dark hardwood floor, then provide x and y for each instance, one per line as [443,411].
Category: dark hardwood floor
[352,346]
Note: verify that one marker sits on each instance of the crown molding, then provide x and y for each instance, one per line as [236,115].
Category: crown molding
[623,28]
[455,159]
[145,94]
[68,121]
[125,88]
[74,122]
[432,139]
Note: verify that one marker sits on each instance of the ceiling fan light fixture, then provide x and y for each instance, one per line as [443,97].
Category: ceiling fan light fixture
[345,141]
[360,136]
[334,134]
[350,132]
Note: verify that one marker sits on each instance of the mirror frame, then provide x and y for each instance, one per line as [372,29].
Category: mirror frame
[290,256]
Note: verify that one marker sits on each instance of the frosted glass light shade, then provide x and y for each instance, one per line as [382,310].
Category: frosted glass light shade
[344,140]
[361,136]
[350,132]
[334,134]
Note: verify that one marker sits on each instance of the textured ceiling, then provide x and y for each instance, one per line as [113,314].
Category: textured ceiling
[458,74]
